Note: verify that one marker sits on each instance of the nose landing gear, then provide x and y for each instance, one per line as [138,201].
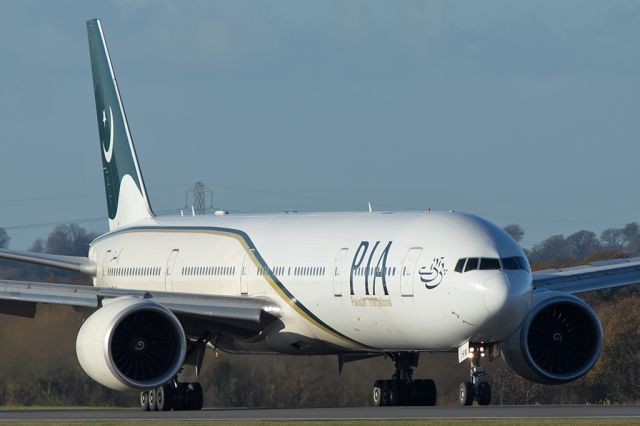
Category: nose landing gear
[476,389]
[402,389]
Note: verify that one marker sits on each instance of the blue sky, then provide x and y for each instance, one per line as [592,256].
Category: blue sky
[520,112]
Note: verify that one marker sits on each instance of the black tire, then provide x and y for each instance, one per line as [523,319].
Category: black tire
[386,386]
[416,392]
[164,398]
[484,393]
[377,397]
[180,397]
[144,401]
[400,393]
[194,396]
[465,393]
[153,401]
[394,395]
[429,393]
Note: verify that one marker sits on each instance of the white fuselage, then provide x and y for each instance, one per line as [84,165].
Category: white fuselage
[344,281]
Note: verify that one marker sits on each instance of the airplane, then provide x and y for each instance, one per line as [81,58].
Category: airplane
[353,285]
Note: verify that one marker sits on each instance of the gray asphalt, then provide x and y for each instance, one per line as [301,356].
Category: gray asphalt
[445,412]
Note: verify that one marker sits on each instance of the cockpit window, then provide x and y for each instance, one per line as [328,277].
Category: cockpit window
[487,263]
[472,263]
[510,263]
[524,263]
[514,263]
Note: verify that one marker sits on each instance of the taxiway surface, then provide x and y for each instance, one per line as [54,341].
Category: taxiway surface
[444,412]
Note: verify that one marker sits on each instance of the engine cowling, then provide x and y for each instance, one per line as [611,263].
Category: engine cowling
[559,341]
[131,344]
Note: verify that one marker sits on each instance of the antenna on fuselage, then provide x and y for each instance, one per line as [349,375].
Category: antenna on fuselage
[370,208]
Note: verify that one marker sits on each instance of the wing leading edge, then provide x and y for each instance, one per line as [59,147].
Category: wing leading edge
[236,316]
[83,265]
[594,276]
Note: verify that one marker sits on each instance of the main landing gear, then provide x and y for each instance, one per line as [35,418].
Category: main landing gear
[183,392]
[475,389]
[174,395]
[402,389]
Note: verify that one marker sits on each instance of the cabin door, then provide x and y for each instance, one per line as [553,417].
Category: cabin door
[244,274]
[408,271]
[339,273]
[170,271]
[105,266]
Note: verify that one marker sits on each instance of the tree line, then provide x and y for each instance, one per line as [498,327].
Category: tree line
[38,365]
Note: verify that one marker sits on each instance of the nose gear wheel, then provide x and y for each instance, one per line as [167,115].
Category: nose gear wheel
[476,389]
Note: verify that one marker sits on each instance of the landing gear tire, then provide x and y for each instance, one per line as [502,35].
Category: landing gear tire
[164,398]
[152,397]
[378,391]
[426,392]
[144,401]
[194,396]
[381,393]
[395,396]
[465,393]
[484,393]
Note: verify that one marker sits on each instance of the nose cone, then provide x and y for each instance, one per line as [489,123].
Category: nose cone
[496,293]
[507,299]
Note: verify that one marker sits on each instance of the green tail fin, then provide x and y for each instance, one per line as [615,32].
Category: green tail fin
[127,199]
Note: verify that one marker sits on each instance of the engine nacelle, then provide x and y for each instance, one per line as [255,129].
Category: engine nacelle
[131,344]
[559,341]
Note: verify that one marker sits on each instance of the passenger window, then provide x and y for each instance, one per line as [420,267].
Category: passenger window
[460,265]
[472,264]
[489,264]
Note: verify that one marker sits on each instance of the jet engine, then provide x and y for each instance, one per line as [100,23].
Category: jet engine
[131,344]
[559,341]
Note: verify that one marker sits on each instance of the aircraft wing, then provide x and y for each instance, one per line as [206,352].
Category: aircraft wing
[594,276]
[235,316]
[83,265]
